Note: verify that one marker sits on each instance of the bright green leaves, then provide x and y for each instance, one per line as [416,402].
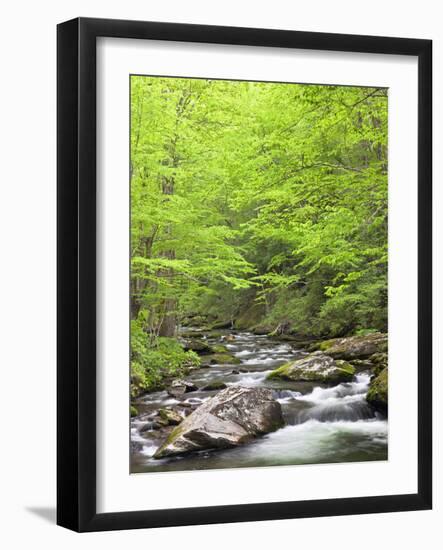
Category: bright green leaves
[273,193]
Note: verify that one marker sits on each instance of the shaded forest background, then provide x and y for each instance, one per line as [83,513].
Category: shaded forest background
[256,206]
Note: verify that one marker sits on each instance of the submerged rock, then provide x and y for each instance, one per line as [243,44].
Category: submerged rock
[233,417]
[315,367]
[355,347]
[377,395]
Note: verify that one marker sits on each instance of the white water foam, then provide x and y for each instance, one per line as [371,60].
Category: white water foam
[312,439]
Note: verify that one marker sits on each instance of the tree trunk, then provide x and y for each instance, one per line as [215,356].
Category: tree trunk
[169,321]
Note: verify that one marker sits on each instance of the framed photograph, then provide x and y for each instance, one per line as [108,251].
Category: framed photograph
[244,274]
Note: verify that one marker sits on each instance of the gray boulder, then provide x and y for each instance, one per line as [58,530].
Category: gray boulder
[232,417]
[315,367]
[356,347]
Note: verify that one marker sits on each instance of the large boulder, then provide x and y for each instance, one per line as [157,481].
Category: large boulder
[315,367]
[377,395]
[232,417]
[355,347]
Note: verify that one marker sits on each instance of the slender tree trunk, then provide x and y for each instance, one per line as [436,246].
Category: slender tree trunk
[169,321]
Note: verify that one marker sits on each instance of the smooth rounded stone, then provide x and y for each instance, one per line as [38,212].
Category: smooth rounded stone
[215,385]
[355,347]
[315,367]
[173,418]
[232,417]
[180,387]
[235,371]
[377,395]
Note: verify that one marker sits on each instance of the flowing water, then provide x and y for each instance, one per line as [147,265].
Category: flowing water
[323,423]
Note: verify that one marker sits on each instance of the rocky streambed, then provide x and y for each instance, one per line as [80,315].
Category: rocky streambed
[258,401]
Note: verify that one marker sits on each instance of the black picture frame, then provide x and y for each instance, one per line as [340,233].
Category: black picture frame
[76,266]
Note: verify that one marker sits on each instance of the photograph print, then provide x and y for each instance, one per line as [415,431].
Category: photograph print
[258,274]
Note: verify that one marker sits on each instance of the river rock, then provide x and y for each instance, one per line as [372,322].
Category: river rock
[172,417]
[355,347]
[315,367]
[232,417]
[219,348]
[180,387]
[220,359]
[377,395]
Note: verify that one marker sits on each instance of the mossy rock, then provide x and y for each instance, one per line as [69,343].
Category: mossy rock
[315,368]
[171,417]
[379,358]
[134,411]
[261,330]
[377,395]
[219,348]
[213,334]
[221,359]
[198,346]
[355,347]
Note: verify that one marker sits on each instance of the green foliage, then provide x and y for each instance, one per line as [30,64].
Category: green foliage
[153,362]
[257,203]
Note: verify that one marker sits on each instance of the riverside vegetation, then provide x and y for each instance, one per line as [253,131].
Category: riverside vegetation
[258,273]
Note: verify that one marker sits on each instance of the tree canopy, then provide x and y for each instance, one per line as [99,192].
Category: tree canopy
[258,204]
